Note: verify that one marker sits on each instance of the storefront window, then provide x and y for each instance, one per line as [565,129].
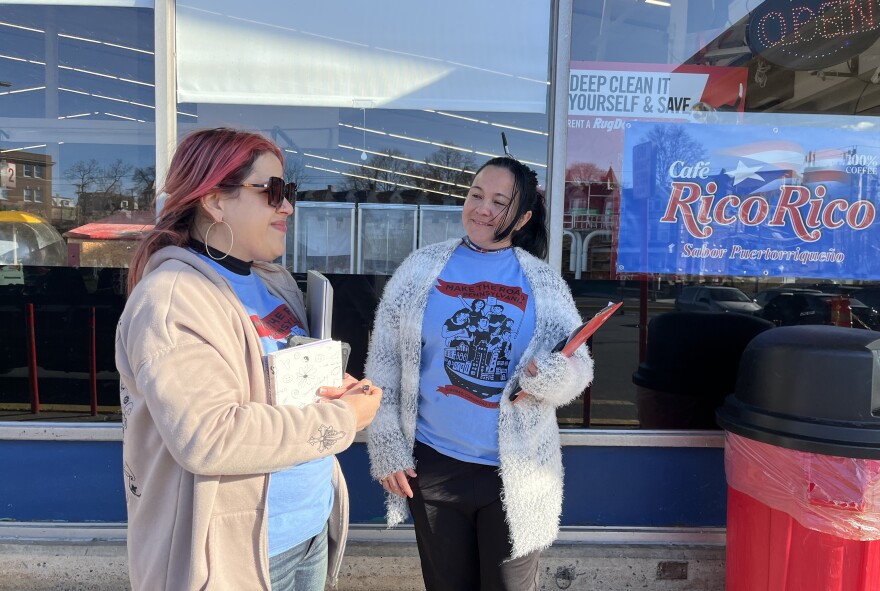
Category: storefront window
[384,123]
[723,160]
[77,141]
[381,132]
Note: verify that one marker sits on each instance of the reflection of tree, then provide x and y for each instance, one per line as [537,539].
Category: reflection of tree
[110,180]
[83,175]
[671,143]
[583,173]
[445,168]
[381,172]
[144,180]
[295,172]
[102,190]
[105,179]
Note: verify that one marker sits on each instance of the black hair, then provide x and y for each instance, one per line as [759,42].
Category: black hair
[532,237]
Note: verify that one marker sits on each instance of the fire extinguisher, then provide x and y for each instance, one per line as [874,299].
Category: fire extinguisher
[841,313]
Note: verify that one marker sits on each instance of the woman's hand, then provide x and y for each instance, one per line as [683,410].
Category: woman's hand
[397,483]
[362,397]
[531,371]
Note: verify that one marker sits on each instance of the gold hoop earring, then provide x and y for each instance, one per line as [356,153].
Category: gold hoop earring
[209,247]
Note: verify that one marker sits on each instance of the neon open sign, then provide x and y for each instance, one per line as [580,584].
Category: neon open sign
[813,34]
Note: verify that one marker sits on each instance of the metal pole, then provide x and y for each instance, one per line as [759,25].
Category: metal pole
[93,366]
[560,55]
[32,359]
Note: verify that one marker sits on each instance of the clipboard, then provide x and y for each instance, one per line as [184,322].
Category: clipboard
[577,337]
[319,305]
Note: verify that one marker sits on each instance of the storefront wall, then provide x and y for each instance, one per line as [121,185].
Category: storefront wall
[383,122]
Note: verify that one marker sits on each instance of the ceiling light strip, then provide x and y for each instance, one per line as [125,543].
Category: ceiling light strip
[22,148]
[400,172]
[20,90]
[21,59]
[99,74]
[13,26]
[124,117]
[404,158]
[367,178]
[97,42]
[108,98]
[471,119]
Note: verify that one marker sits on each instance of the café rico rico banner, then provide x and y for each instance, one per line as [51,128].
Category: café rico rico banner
[749,201]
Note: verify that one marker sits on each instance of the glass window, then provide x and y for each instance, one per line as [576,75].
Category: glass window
[729,105]
[382,145]
[77,125]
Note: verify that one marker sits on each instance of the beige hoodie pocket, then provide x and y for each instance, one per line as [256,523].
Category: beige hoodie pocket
[233,552]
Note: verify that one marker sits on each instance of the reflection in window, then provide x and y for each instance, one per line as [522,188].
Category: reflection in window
[76,131]
[373,145]
[741,84]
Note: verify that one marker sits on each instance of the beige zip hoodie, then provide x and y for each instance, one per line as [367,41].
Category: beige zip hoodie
[200,435]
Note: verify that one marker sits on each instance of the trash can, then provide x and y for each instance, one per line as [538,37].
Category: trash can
[802,458]
[690,366]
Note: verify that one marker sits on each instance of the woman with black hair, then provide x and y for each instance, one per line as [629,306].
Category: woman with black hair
[488,494]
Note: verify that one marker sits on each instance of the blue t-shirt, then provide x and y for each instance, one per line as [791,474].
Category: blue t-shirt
[479,319]
[300,497]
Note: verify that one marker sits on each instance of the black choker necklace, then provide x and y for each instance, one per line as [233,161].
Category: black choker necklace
[467,242]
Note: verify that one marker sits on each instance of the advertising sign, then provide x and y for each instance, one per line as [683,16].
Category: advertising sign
[750,201]
[812,34]
[603,98]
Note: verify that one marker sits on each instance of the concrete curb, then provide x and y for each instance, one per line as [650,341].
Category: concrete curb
[387,566]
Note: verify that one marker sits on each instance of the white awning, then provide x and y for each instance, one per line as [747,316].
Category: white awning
[455,55]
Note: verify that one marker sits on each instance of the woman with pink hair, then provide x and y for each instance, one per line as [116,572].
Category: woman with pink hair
[224,487]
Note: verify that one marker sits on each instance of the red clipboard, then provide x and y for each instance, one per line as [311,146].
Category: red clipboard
[578,337]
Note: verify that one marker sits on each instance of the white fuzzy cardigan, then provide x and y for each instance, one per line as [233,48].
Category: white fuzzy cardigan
[528,435]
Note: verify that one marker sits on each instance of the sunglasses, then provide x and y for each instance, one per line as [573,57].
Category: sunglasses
[276,190]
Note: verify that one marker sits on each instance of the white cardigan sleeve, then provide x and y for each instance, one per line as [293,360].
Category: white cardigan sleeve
[559,379]
[388,448]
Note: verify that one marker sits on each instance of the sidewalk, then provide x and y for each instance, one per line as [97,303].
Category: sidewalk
[388,566]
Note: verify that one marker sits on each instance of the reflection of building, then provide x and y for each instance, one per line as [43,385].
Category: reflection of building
[588,221]
[109,242]
[99,204]
[26,182]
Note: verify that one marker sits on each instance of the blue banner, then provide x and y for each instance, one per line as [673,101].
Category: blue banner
[750,201]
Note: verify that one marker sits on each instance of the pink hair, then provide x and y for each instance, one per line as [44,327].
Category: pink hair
[203,160]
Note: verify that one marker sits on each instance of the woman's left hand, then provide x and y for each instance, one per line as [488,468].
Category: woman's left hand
[531,371]
[397,483]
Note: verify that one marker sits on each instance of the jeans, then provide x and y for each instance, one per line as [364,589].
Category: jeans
[303,567]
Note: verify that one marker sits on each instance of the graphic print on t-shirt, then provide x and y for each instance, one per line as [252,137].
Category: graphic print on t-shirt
[479,337]
[278,324]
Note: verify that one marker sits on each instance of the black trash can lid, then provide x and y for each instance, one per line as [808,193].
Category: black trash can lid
[696,353]
[809,388]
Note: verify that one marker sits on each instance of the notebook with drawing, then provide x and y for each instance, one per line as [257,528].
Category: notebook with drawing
[296,373]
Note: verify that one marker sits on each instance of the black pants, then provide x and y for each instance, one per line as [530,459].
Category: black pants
[462,534]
